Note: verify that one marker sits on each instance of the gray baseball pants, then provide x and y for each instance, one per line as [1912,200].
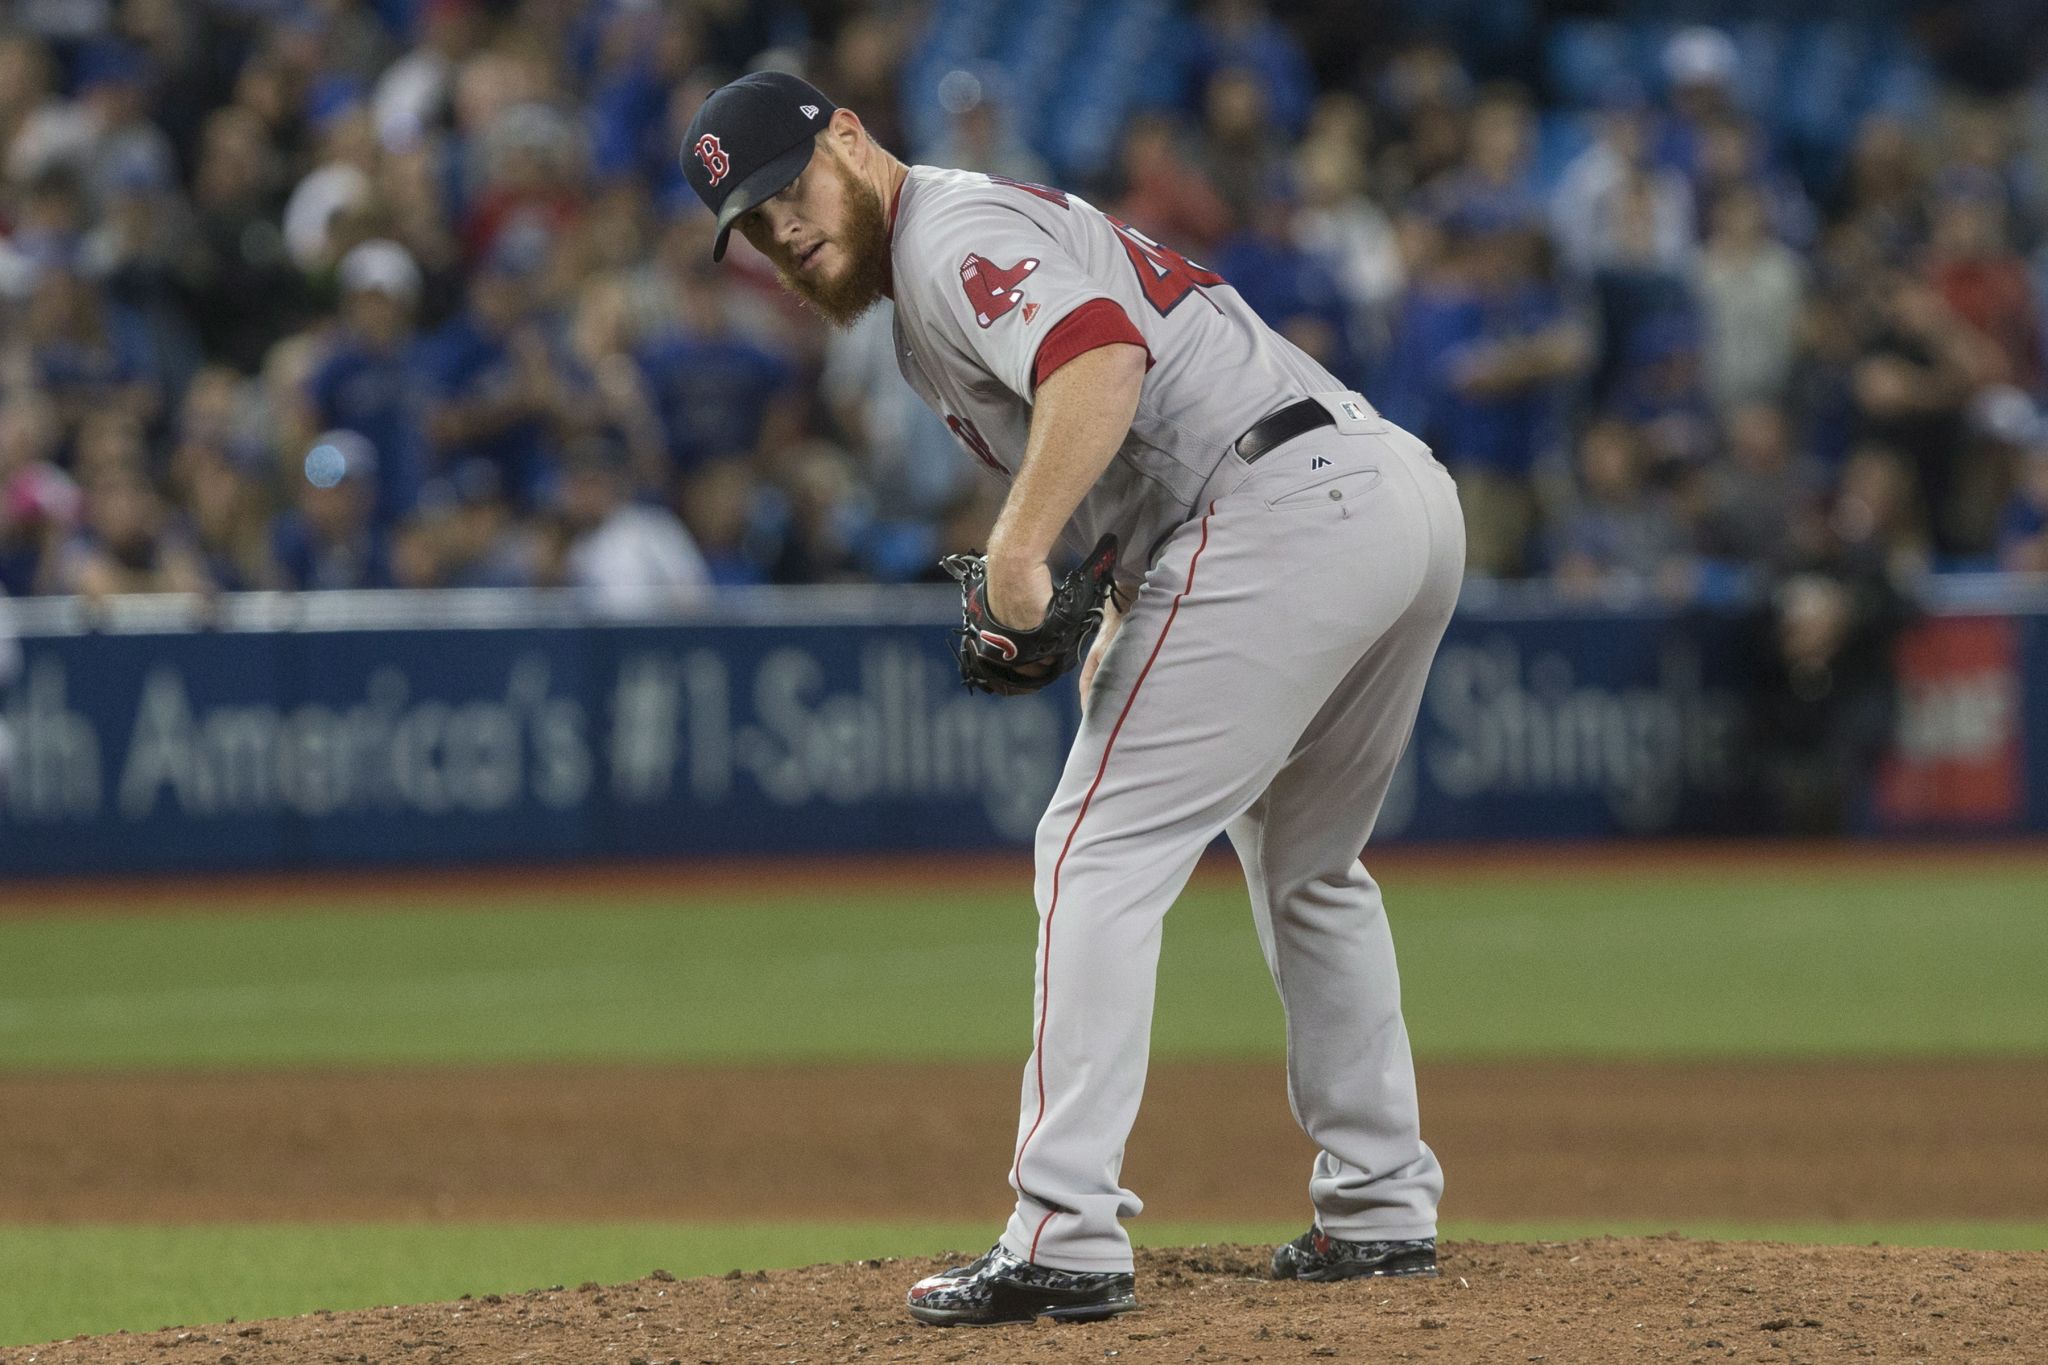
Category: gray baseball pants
[1264,683]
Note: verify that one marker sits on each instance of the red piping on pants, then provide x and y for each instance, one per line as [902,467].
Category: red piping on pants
[1045,967]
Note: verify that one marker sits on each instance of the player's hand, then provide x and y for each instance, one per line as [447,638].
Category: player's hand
[1018,592]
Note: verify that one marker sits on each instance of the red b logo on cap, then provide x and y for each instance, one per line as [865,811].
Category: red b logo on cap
[713,156]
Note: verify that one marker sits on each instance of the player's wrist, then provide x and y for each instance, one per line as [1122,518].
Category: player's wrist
[1012,558]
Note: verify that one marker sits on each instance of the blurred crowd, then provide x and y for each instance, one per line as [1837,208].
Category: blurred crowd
[312,294]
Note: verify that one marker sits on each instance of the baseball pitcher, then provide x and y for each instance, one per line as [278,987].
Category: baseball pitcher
[1267,566]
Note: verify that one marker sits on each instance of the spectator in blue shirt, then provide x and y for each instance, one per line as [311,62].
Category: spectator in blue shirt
[81,351]
[1289,288]
[1242,33]
[332,539]
[713,387]
[371,382]
[2023,532]
[1492,349]
[1617,532]
[491,375]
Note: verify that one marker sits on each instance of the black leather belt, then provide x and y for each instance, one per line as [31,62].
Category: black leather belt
[1296,419]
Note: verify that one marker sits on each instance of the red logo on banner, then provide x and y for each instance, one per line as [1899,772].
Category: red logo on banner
[1956,757]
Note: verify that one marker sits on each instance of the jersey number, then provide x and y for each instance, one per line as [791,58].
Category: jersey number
[1164,274]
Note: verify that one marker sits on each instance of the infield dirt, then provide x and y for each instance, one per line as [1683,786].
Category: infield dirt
[1809,1141]
[1607,1300]
[1828,1141]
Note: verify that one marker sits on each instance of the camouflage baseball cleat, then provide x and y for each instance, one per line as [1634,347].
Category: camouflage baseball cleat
[1315,1255]
[1002,1288]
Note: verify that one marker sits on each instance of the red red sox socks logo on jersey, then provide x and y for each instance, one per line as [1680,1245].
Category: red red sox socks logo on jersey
[713,156]
[991,290]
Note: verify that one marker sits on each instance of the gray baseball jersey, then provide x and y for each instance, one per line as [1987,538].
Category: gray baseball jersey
[1265,679]
[987,270]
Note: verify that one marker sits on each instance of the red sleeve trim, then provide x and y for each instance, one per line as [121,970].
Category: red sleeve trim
[1096,323]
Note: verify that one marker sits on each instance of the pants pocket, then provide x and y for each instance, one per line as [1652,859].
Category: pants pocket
[1330,486]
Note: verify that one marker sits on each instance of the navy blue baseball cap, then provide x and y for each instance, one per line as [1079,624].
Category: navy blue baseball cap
[749,140]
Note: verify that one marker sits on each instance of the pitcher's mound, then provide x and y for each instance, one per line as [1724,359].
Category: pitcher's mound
[1593,1301]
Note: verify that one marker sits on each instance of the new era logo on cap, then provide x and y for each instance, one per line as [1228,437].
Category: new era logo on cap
[809,110]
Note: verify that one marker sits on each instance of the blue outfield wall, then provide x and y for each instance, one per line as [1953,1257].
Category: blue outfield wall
[175,749]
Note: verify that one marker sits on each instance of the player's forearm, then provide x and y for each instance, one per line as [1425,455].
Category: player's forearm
[1080,417]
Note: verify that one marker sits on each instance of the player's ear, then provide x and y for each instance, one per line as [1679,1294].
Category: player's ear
[844,133]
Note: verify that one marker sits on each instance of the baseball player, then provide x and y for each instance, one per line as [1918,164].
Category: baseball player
[1283,563]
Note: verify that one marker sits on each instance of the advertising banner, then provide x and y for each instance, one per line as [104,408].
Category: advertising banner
[324,747]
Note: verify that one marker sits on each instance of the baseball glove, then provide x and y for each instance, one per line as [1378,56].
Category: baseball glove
[995,658]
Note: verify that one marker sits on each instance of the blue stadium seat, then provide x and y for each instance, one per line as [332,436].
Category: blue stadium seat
[1760,50]
[1586,58]
[1560,136]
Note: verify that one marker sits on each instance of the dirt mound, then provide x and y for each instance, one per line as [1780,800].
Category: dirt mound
[1835,1141]
[1590,1301]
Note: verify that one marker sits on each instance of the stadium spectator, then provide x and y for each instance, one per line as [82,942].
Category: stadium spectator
[1616,532]
[463,534]
[822,520]
[2023,530]
[1286,285]
[492,376]
[600,387]
[110,441]
[906,454]
[458,229]
[1734,158]
[332,539]
[1984,282]
[39,502]
[1582,213]
[1426,92]
[319,213]
[714,386]
[85,353]
[1494,186]
[1165,193]
[224,519]
[1751,291]
[1912,384]
[245,294]
[1763,498]
[981,133]
[1484,355]
[625,556]
[719,504]
[1881,197]
[414,93]
[1700,63]
[370,380]
[1824,698]
[33,118]
[1243,35]
[127,543]
[1341,227]
[1643,302]
[1876,527]
[1243,148]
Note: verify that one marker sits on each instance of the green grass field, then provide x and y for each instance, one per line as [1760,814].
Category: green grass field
[1892,961]
[1883,963]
